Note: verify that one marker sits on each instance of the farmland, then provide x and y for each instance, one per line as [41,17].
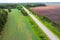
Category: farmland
[19,27]
[22,24]
[52,12]
[16,28]
[49,16]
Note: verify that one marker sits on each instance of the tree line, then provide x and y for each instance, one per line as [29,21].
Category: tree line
[3,18]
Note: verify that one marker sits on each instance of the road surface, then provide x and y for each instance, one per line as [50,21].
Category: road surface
[43,27]
[17,28]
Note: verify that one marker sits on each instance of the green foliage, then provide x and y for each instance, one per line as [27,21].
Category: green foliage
[53,26]
[37,30]
[9,10]
[3,17]
[23,11]
[6,6]
[41,35]
[34,4]
[18,8]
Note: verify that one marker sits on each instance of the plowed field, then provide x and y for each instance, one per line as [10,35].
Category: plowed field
[52,12]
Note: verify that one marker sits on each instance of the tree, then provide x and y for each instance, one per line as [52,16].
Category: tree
[9,10]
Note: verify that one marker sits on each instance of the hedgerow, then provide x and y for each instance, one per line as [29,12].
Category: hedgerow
[3,18]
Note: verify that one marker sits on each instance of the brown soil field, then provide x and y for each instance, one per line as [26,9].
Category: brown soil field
[52,12]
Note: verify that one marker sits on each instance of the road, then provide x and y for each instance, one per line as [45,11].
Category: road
[43,27]
[17,27]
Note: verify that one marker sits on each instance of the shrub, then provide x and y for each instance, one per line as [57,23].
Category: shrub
[3,17]
[23,12]
[9,10]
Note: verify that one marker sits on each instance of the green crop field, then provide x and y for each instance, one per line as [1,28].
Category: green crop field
[17,27]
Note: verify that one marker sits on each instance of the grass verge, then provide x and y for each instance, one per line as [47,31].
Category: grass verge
[47,24]
[40,34]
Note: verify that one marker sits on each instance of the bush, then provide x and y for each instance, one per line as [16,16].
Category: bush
[23,12]
[9,10]
[3,18]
